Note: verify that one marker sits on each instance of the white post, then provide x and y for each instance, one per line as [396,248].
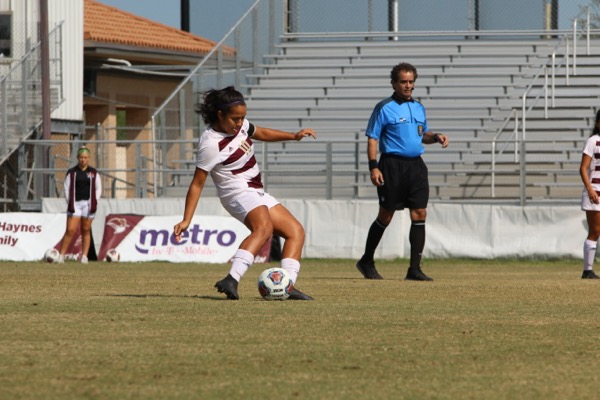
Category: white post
[575,47]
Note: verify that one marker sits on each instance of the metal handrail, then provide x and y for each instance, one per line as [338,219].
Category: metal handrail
[3,84]
[525,110]
[335,173]
[433,34]
[495,141]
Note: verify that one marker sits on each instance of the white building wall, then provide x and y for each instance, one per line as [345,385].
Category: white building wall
[71,12]
[25,35]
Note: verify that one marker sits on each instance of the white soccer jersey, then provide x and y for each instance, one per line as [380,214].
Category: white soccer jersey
[230,161]
[592,149]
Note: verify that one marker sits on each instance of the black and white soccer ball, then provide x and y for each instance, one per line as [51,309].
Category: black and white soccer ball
[112,255]
[52,255]
[275,284]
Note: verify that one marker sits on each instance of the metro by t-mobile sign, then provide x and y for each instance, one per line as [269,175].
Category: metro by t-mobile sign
[147,238]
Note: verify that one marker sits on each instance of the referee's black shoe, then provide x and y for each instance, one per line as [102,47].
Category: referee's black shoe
[589,275]
[229,287]
[295,294]
[367,269]
[415,274]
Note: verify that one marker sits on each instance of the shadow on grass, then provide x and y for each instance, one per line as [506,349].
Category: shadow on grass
[134,295]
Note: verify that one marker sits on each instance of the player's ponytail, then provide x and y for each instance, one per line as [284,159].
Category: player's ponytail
[596,130]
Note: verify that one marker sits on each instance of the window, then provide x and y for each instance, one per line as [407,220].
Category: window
[5,35]
[122,125]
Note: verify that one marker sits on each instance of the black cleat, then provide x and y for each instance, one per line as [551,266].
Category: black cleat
[415,274]
[295,294]
[589,275]
[367,269]
[229,287]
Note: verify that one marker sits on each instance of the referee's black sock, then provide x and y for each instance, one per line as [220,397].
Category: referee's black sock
[373,238]
[416,237]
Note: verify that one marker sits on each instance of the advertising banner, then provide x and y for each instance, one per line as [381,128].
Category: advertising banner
[27,236]
[209,239]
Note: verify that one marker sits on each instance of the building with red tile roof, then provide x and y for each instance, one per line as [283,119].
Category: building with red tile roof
[113,33]
[131,65]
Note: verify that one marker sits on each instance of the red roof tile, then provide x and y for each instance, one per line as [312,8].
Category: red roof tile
[107,24]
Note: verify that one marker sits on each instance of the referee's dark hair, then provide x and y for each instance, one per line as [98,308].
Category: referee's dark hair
[405,67]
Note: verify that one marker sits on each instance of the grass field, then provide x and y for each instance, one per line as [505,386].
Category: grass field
[504,329]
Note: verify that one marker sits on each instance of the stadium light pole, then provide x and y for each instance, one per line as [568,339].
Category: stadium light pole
[185,15]
[393,17]
[554,16]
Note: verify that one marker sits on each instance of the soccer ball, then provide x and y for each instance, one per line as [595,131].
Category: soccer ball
[51,255]
[275,284]
[112,255]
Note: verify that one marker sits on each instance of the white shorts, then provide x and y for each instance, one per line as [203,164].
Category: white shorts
[82,210]
[586,204]
[248,201]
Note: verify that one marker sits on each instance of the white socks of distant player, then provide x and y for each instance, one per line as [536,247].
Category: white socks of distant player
[292,267]
[589,254]
[242,260]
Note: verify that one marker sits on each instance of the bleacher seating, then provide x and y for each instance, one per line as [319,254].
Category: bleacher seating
[469,88]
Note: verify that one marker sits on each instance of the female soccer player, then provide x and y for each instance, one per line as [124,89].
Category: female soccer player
[82,192]
[590,199]
[226,151]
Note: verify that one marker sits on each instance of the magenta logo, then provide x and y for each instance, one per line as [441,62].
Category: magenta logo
[195,236]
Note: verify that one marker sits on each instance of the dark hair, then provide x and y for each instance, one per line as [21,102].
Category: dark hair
[403,67]
[596,130]
[218,100]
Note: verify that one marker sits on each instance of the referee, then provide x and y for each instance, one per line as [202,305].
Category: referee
[398,128]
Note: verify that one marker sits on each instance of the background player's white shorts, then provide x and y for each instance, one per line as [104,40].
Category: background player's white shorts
[586,204]
[82,210]
[248,201]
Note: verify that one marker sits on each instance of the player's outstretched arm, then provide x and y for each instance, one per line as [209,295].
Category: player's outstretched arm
[191,201]
[274,135]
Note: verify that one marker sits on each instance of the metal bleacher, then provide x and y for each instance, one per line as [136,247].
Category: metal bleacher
[470,89]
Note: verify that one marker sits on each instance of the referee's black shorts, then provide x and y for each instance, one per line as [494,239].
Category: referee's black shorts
[406,183]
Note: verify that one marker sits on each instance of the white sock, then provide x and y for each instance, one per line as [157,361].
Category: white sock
[242,260]
[589,254]
[292,267]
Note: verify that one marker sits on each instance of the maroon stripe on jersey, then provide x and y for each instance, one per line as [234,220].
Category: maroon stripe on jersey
[239,153]
[596,155]
[236,155]
[597,168]
[251,163]
[255,182]
[595,180]
[224,142]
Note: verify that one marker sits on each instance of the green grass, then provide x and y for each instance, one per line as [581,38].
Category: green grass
[504,329]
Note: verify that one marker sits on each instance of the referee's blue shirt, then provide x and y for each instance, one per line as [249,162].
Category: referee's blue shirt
[399,126]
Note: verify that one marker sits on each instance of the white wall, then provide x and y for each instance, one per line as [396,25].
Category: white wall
[71,12]
[338,229]
[25,25]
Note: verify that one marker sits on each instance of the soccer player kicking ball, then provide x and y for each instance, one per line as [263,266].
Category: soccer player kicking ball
[226,151]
